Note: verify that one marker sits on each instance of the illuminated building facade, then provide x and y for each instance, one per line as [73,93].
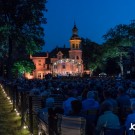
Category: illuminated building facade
[60,61]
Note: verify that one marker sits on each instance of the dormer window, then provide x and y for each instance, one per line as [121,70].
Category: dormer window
[59,55]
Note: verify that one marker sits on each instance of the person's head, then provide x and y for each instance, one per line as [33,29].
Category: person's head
[49,102]
[76,106]
[107,106]
[133,106]
[121,90]
[90,94]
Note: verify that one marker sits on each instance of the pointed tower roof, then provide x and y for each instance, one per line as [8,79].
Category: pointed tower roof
[75,32]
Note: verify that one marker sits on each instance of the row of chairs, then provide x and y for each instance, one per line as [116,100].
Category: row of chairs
[62,125]
[72,125]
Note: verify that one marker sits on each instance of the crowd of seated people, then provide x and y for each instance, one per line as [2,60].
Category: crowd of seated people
[108,101]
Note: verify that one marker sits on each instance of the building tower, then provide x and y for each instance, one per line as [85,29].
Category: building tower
[75,42]
[75,52]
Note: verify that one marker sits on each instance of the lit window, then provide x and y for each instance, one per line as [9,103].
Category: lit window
[43,75]
[55,66]
[39,62]
[73,46]
[39,75]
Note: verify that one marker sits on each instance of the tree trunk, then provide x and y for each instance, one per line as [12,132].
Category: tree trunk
[121,69]
[121,65]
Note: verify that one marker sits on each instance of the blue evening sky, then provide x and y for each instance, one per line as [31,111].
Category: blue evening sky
[93,19]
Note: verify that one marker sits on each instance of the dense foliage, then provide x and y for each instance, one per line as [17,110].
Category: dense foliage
[21,30]
[92,54]
[23,66]
[116,51]
[118,43]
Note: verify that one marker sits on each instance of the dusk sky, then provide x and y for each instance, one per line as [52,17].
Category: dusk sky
[93,19]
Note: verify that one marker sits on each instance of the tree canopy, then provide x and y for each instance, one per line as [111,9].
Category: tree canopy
[21,30]
[118,42]
[119,39]
[91,54]
[23,66]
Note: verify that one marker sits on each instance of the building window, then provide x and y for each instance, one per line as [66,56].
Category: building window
[39,75]
[55,66]
[63,66]
[73,46]
[77,46]
[43,75]
[47,66]
[59,57]
[39,62]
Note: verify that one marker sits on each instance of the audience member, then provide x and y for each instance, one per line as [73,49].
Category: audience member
[108,98]
[76,106]
[130,120]
[107,119]
[67,103]
[90,102]
[123,101]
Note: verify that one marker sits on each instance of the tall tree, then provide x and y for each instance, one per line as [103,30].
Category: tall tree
[21,31]
[118,42]
[92,54]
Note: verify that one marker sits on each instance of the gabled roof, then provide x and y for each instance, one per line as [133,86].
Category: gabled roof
[64,51]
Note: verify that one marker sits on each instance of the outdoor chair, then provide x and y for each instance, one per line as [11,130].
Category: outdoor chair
[43,128]
[91,117]
[71,125]
[110,131]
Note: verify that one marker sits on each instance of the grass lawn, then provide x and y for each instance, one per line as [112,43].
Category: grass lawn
[9,121]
